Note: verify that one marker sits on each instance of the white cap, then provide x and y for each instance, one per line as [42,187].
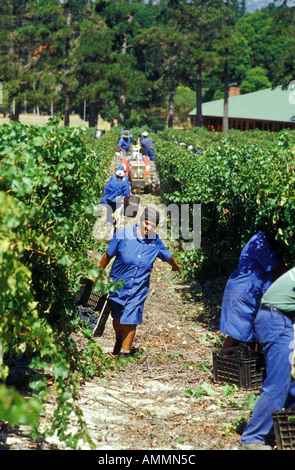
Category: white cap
[120,171]
[145,133]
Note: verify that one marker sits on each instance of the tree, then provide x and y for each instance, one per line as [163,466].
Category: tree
[160,64]
[14,54]
[283,68]
[92,53]
[255,79]
[57,27]
[123,70]
[182,42]
[45,22]
[229,20]
[202,31]
[265,33]
[125,57]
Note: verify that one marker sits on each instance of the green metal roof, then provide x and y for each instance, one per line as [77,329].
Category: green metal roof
[266,105]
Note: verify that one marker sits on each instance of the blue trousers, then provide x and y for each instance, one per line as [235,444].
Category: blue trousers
[276,335]
[150,153]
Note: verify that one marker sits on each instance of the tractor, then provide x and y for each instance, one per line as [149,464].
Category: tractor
[140,170]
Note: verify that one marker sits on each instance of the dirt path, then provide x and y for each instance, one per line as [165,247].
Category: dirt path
[164,399]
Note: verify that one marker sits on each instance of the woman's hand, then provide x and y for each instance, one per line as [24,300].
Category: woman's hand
[175,266]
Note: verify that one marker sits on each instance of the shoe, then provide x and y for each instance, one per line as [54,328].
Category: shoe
[123,354]
[134,350]
[255,446]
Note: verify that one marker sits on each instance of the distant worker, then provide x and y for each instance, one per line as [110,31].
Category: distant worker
[116,194]
[124,144]
[191,149]
[147,144]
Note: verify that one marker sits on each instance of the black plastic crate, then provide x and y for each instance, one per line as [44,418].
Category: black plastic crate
[239,366]
[97,302]
[284,428]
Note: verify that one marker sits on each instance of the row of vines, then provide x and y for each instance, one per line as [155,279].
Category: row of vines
[51,180]
[244,181]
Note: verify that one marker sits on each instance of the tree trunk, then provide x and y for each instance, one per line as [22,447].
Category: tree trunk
[66,92]
[199,119]
[225,106]
[122,103]
[67,108]
[14,110]
[172,89]
[171,106]
[93,114]
[122,99]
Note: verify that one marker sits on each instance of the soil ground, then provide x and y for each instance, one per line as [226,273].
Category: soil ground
[165,397]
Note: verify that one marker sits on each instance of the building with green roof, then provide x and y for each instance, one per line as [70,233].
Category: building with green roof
[267,109]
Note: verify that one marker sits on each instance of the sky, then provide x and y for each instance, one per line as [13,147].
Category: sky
[253,5]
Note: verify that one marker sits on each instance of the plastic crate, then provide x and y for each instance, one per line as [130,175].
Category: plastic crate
[95,300]
[284,428]
[239,366]
[87,297]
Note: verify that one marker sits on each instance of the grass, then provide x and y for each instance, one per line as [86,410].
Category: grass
[75,121]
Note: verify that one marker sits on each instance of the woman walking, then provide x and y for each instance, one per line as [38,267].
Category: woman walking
[135,250]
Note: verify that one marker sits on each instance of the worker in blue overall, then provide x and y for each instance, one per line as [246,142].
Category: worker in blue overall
[274,327]
[116,194]
[124,144]
[135,249]
[258,264]
[147,144]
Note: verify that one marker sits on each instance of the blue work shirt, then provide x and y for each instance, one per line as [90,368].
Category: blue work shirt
[245,287]
[115,189]
[147,143]
[124,143]
[133,264]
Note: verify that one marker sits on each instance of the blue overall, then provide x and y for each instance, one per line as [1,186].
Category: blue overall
[147,144]
[133,264]
[114,190]
[245,287]
[275,334]
[124,143]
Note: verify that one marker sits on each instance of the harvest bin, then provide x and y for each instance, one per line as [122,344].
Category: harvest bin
[96,301]
[284,428]
[239,366]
